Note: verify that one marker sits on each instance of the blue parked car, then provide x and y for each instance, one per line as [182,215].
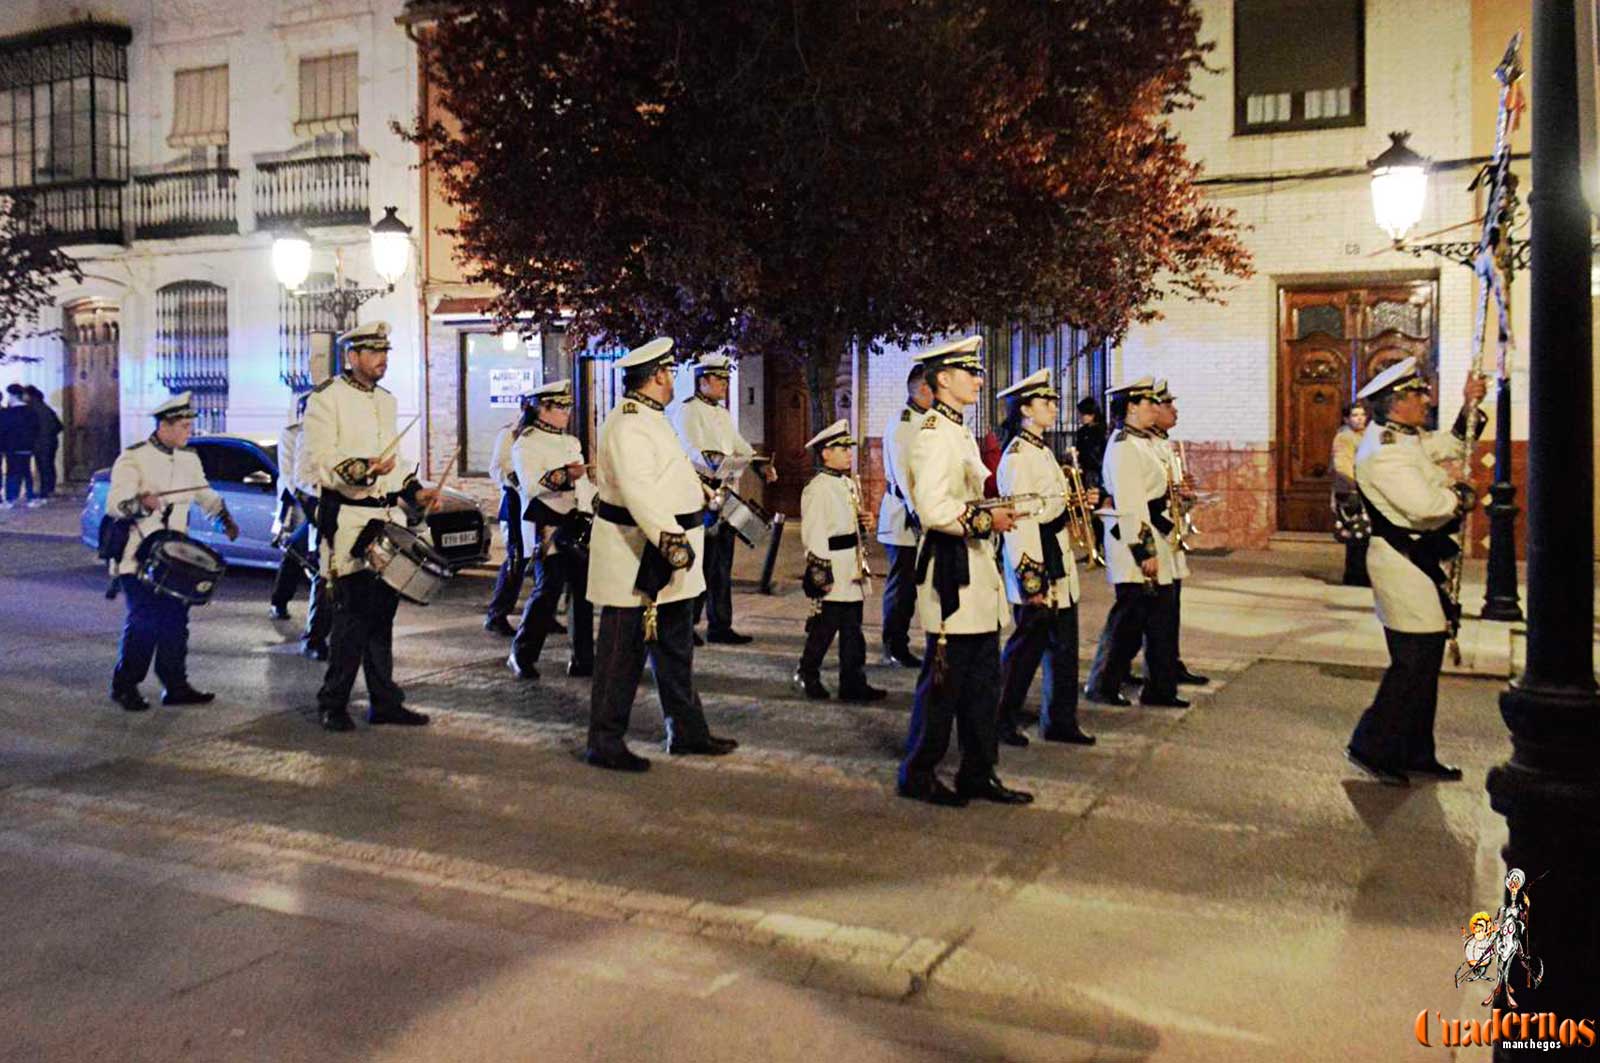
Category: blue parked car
[244,473]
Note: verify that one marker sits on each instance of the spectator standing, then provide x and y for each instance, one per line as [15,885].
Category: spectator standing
[45,445]
[18,429]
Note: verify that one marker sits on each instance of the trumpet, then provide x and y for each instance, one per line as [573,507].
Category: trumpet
[1180,507]
[1080,516]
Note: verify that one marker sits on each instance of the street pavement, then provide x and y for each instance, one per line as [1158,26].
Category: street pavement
[229,882]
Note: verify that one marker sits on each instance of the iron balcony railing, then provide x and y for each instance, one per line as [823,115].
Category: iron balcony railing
[324,190]
[75,212]
[191,203]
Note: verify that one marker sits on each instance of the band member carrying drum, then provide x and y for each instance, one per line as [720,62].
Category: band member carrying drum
[152,484]
[549,465]
[349,445]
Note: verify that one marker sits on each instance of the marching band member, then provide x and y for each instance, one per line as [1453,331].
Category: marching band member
[1041,572]
[1139,560]
[708,433]
[960,596]
[548,464]
[831,526]
[319,609]
[349,427]
[297,514]
[646,550]
[898,529]
[1416,507]
[508,581]
[152,484]
[1167,450]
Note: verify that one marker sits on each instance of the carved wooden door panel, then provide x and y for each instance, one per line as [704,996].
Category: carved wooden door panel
[1331,342]
[788,427]
[91,403]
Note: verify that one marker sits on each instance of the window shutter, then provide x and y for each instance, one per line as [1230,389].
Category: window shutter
[328,96]
[199,108]
[1296,45]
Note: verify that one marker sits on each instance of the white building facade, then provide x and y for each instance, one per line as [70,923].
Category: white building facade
[210,127]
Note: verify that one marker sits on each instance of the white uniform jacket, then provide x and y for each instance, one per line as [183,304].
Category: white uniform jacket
[151,467]
[1398,473]
[946,477]
[346,427]
[641,470]
[830,527]
[539,457]
[1134,475]
[1167,450]
[1036,541]
[895,521]
[288,449]
[708,434]
[500,465]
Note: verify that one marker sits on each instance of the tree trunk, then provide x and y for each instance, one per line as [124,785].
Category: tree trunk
[824,358]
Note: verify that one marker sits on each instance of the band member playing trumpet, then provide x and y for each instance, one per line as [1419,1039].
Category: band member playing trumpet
[960,595]
[152,484]
[1183,484]
[349,443]
[1041,574]
[831,528]
[549,466]
[1416,507]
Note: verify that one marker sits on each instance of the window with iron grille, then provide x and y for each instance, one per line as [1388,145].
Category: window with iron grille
[192,347]
[64,106]
[299,322]
[1013,351]
[1298,64]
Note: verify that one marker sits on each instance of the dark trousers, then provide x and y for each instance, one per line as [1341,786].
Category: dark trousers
[966,699]
[508,583]
[620,653]
[1043,635]
[552,576]
[156,626]
[717,601]
[1138,617]
[291,575]
[1396,731]
[19,474]
[45,458]
[362,641]
[842,619]
[899,597]
[1355,563]
[302,563]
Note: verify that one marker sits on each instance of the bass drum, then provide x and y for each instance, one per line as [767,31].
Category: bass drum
[414,569]
[179,567]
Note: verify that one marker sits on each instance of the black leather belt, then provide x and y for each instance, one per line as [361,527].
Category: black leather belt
[619,515]
[843,542]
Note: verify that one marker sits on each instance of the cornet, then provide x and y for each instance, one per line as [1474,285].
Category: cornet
[1080,517]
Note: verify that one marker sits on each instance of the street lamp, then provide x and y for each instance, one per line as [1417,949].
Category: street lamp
[1399,191]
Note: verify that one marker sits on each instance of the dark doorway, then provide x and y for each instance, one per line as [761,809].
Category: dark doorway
[91,403]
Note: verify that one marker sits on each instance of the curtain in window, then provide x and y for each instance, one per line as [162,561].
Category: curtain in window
[327,95]
[199,108]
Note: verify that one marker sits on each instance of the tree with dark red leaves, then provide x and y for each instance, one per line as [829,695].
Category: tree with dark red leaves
[30,266]
[794,177]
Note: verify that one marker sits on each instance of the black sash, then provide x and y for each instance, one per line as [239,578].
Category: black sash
[508,508]
[1158,515]
[843,542]
[1055,564]
[1427,550]
[330,502]
[654,571]
[950,574]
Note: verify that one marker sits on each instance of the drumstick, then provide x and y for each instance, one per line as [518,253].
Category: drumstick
[444,478]
[395,442]
[177,490]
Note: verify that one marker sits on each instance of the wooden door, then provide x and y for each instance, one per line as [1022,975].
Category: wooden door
[91,403]
[1332,340]
[788,415]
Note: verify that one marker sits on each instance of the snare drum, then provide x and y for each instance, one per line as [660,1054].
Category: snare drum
[747,519]
[414,569]
[179,567]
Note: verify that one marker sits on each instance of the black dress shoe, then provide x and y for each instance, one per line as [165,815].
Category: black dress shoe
[698,641]
[1133,679]
[904,658]
[710,746]
[1100,697]
[863,694]
[935,793]
[316,651]
[1434,770]
[278,612]
[729,637]
[187,696]
[1191,679]
[1074,737]
[130,700]
[1387,776]
[399,715]
[337,720]
[810,686]
[496,625]
[1014,737]
[523,671]
[580,671]
[991,789]
[1173,702]
[621,760]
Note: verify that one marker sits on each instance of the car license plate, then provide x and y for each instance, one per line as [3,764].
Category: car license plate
[462,538]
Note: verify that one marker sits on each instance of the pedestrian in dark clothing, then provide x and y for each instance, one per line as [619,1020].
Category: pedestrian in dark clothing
[46,443]
[18,430]
[1090,439]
